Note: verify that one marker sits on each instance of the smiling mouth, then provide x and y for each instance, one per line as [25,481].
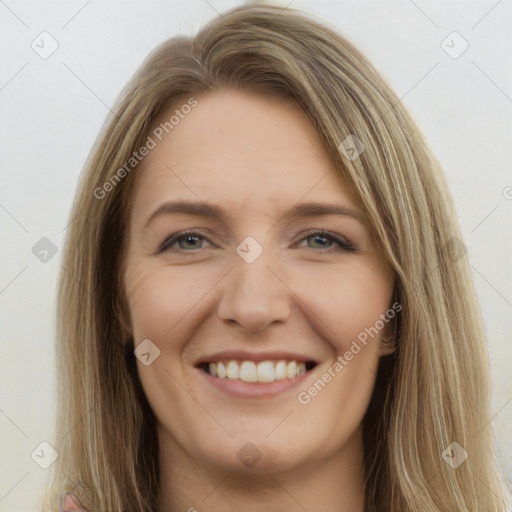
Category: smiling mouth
[257,371]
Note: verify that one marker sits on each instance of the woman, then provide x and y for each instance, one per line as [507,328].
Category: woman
[266,303]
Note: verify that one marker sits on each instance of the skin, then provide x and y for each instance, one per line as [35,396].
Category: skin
[255,158]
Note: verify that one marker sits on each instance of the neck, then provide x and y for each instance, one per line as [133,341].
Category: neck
[334,484]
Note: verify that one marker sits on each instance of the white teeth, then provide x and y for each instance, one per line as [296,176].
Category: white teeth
[264,371]
[248,372]
[280,370]
[221,370]
[291,369]
[232,370]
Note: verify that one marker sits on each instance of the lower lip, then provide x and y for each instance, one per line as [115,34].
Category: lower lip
[242,389]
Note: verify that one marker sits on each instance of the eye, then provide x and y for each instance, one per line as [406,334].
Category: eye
[337,243]
[193,240]
[189,237]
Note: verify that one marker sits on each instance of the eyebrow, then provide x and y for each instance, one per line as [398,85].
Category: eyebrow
[301,211]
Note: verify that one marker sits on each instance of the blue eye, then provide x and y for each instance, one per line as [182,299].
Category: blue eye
[187,236]
[337,243]
[194,238]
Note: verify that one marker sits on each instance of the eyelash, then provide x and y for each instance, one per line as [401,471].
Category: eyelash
[343,245]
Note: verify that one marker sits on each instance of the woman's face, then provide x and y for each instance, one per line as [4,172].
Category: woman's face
[255,291]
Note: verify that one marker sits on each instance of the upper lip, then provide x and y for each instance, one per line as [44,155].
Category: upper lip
[245,355]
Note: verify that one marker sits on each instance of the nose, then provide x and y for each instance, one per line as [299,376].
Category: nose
[254,295]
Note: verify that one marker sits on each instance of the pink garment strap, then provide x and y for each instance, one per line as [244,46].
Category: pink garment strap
[71,503]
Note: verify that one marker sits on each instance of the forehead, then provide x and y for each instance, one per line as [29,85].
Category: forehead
[241,149]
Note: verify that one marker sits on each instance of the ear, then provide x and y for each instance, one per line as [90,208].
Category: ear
[388,342]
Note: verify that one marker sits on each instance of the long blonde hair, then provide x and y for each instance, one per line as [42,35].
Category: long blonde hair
[432,392]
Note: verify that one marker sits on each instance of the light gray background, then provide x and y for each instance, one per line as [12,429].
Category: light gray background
[52,109]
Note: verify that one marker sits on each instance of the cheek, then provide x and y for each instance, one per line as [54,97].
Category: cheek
[345,311]
[162,302]
[348,302]
[159,299]
[149,300]
[341,303]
